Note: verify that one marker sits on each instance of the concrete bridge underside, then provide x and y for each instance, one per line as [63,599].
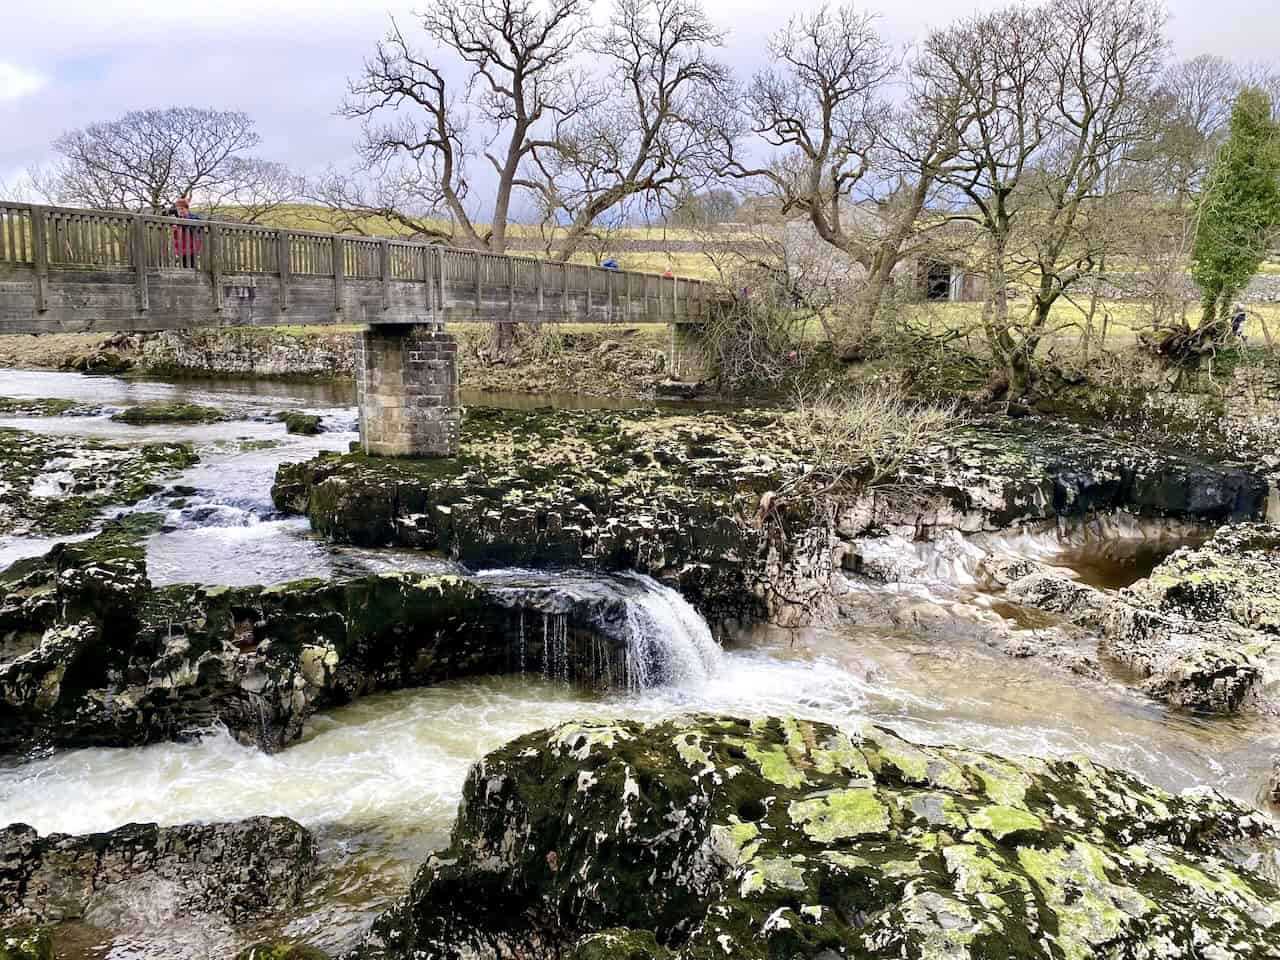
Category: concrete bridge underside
[64,271]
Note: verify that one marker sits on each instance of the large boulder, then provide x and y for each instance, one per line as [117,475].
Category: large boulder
[711,837]
[1202,629]
[240,870]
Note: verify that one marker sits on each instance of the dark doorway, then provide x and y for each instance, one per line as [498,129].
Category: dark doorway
[937,280]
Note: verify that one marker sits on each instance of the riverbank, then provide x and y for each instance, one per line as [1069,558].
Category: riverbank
[590,359]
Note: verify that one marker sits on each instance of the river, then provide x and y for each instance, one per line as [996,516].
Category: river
[379,780]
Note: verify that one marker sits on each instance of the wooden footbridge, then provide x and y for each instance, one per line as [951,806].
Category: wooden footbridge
[65,270]
[70,271]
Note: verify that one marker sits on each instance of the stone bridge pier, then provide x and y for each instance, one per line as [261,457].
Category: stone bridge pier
[407,387]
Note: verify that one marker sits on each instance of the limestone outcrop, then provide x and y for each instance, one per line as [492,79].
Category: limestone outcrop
[52,485]
[1203,627]
[706,837]
[240,870]
[92,654]
[680,496]
[1200,632]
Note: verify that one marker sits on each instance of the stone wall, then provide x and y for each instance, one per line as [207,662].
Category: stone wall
[250,353]
[1263,288]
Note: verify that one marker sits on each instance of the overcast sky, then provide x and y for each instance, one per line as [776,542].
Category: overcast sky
[65,63]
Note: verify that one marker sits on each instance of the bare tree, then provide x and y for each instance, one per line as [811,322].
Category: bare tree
[1192,103]
[1060,95]
[824,109]
[652,143]
[517,55]
[147,158]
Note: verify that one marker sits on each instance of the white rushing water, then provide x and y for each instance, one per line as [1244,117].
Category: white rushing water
[670,643]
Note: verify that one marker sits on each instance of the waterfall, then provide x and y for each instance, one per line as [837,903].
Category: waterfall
[622,632]
[669,643]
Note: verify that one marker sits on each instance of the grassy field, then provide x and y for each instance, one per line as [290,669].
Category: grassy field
[1124,320]
[301,216]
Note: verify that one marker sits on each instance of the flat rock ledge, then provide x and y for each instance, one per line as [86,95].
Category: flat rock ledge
[241,870]
[1201,632]
[51,485]
[679,496]
[709,837]
[91,654]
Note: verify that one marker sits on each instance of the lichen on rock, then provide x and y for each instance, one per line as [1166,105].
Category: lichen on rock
[712,836]
[59,485]
[241,870]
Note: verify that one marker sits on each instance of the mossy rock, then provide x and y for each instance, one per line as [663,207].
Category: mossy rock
[619,944]
[659,492]
[307,424]
[20,944]
[101,362]
[152,413]
[98,656]
[282,950]
[36,406]
[59,485]
[776,837]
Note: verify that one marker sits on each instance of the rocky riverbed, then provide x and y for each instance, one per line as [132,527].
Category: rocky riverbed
[698,722]
[717,836]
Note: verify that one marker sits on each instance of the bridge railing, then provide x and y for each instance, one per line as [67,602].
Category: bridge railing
[45,236]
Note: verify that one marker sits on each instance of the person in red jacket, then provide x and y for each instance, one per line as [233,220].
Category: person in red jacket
[186,241]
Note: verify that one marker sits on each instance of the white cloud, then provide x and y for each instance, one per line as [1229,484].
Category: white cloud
[16,83]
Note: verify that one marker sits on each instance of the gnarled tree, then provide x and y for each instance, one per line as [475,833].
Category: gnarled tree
[518,55]
[1059,95]
[859,171]
[651,141]
[148,158]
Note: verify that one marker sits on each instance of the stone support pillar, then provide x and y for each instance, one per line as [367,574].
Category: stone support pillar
[407,384]
[687,355]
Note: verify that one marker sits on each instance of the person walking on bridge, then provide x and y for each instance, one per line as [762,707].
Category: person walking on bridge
[186,240]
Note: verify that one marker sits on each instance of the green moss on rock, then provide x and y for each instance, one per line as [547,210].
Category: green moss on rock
[168,412]
[18,944]
[295,421]
[683,843]
[282,950]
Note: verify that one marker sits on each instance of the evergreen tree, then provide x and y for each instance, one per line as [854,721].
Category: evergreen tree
[1239,209]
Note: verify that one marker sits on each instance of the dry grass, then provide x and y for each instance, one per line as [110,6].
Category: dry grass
[302,216]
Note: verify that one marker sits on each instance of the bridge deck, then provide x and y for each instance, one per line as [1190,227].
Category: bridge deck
[64,270]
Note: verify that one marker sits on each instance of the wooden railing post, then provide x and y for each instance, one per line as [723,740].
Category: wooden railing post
[339,273]
[424,254]
[479,266]
[440,279]
[40,256]
[511,288]
[587,278]
[628,297]
[384,272]
[284,266]
[215,265]
[675,297]
[541,306]
[138,252]
[608,282]
[564,289]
